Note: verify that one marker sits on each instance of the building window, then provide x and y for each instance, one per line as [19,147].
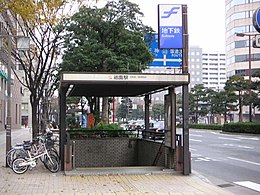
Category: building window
[24,107]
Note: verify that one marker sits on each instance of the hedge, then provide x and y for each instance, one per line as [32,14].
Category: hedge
[247,127]
[203,126]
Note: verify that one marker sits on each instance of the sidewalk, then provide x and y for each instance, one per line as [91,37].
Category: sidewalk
[41,181]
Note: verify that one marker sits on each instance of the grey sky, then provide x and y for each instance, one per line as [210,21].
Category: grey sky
[206,20]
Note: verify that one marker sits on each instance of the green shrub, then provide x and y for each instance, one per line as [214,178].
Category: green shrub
[246,127]
[100,130]
[203,126]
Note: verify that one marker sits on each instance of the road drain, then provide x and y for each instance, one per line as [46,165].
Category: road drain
[225,185]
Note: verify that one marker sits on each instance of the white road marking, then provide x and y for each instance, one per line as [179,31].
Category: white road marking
[193,149]
[249,184]
[195,135]
[239,146]
[246,147]
[206,159]
[226,138]
[246,161]
[231,145]
[195,140]
[198,131]
[203,159]
[249,138]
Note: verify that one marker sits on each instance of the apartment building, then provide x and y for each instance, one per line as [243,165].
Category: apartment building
[208,68]
[195,65]
[16,89]
[239,15]
[214,70]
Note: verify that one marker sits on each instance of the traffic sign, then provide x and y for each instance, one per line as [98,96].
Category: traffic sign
[256,19]
[165,57]
[257,41]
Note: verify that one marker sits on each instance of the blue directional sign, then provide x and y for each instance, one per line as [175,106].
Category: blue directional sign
[256,19]
[165,57]
[170,26]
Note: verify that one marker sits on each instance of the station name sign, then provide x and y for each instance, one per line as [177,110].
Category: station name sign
[170,26]
[81,77]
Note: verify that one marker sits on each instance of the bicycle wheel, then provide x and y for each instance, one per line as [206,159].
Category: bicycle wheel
[9,158]
[13,154]
[17,168]
[55,153]
[51,163]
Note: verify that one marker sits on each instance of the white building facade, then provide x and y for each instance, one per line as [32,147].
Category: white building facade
[214,70]
[239,15]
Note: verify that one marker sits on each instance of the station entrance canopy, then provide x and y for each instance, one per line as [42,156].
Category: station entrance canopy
[118,84]
[89,84]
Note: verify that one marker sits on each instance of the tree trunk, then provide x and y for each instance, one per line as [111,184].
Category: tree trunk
[240,109]
[104,115]
[35,125]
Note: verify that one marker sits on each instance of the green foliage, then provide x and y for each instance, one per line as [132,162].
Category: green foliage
[125,109]
[72,121]
[100,130]
[249,127]
[203,126]
[102,126]
[197,98]
[256,88]
[108,39]
[241,86]
[157,111]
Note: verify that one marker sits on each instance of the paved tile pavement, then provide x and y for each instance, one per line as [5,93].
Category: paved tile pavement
[41,181]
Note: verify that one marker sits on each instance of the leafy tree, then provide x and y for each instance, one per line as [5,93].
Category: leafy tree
[197,106]
[125,109]
[225,102]
[37,20]
[239,85]
[256,88]
[121,111]
[210,98]
[158,111]
[108,39]
[138,113]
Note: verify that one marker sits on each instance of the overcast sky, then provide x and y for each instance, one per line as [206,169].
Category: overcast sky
[206,20]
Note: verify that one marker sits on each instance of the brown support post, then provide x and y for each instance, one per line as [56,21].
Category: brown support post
[173,117]
[146,115]
[185,95]
[62,130]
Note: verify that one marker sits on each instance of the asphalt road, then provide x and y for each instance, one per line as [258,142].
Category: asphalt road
[231,161]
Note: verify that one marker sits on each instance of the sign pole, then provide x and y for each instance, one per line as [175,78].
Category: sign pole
[185,95]
[8,117]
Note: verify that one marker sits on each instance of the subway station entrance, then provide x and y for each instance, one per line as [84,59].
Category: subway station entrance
[175,148]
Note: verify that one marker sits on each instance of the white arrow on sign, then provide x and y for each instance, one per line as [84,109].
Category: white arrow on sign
[167,60]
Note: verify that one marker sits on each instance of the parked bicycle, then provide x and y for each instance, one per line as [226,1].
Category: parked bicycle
[50,160]
[16,151]
[37,147]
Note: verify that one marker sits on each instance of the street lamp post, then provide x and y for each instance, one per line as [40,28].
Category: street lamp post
[23,43]
[249,70]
